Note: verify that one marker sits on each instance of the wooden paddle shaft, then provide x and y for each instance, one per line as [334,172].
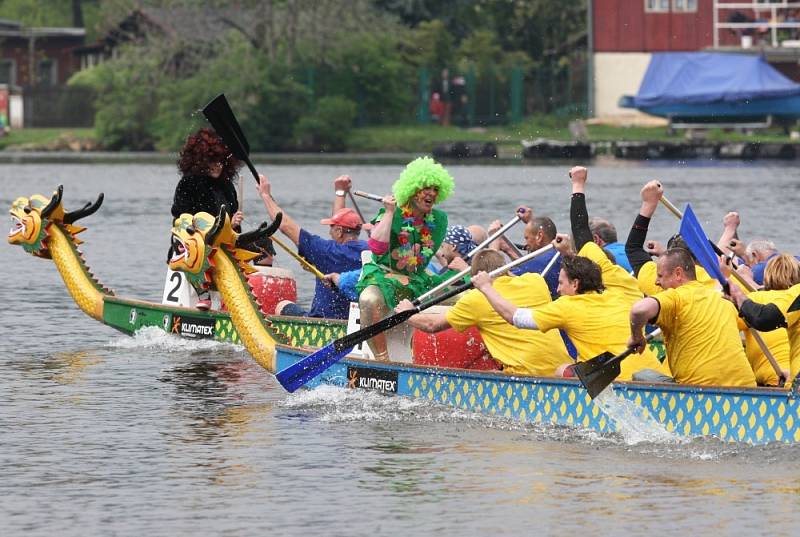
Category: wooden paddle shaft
[355,206]
[373,197]
[314,270]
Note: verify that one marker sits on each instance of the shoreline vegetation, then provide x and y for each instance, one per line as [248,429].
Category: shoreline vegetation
[385,141]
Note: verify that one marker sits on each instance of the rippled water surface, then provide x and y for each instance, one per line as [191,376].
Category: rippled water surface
[104,434]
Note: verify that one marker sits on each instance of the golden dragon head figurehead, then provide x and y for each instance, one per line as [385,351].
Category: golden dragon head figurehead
[30,218]
[189,248]
[195,239]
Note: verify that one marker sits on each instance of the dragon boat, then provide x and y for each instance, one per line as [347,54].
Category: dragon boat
[43,228]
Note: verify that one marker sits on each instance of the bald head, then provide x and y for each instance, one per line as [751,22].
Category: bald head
[478,233]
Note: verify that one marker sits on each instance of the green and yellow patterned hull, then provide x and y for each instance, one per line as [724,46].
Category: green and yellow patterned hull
[129,316]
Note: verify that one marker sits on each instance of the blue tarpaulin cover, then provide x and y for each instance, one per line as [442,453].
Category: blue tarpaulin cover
[707,77]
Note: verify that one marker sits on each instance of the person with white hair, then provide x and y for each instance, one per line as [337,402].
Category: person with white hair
[760,251]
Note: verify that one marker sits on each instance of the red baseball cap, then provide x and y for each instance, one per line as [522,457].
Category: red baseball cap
[347,218]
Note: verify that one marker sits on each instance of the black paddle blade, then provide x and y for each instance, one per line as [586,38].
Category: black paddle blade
[219,114]
[596,374]
[351,340]
[297,375]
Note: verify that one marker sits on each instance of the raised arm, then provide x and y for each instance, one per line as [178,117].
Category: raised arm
[730,228]
[634,247]
[578,214]
[341,186]
[289,227]
[382,232]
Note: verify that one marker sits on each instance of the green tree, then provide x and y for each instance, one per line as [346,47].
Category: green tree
[327,127]
[429,45]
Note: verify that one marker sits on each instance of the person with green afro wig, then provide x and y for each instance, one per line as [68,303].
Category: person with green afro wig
[421,173]
[408,231]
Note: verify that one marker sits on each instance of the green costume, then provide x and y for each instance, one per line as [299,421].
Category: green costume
[406,258]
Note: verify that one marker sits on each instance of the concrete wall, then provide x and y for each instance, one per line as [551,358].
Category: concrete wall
[617,74]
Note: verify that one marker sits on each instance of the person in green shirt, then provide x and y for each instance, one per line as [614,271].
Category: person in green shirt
[408,231]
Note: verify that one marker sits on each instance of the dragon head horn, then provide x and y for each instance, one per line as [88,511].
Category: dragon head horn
[219,223]
[264,230]
[54,201]
[86,210]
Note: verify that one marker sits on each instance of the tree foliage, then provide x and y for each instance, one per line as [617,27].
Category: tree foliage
[276,60]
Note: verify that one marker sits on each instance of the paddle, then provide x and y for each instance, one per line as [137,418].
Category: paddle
[219,114]
[596,374]
[356,207]
[499,233]
[296,375]
[707,252]
[373,197]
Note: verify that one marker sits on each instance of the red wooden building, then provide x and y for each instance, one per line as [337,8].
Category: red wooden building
[626,32]
[37,56]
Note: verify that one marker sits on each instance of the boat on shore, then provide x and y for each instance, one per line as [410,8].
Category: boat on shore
[44,229]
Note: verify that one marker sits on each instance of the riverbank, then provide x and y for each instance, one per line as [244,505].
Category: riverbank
[390,144]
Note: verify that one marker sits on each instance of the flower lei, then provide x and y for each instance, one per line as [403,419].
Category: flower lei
[406,249]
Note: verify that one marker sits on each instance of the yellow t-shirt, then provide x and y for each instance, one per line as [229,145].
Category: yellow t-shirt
[615,278]
[647,279]
[702,338]
[596,323]
[523,352]
[777,342]
[784,300]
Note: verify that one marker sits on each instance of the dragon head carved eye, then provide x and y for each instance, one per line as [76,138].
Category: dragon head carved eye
[191,230]
[27,209]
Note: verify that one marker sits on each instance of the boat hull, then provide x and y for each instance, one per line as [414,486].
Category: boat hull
[777,107]
[128,316]
[751,415]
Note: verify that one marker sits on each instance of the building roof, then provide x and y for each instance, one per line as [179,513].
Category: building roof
[10,28]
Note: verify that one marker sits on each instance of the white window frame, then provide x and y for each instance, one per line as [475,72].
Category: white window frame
[13,63]
[684,6]
[53,71]
[656,6]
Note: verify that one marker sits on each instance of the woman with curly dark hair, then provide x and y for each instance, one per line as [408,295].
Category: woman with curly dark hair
[207,170]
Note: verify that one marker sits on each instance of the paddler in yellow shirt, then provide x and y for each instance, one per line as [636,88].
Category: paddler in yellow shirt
[782,311]
[781,272]
[596,321]
[521,352]
[615,278]
[699,326]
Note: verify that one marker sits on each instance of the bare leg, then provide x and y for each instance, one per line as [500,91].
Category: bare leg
[373,308]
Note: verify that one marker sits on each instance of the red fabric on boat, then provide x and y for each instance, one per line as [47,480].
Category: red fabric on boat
[450,348]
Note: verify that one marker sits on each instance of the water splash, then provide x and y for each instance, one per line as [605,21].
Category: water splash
[632,421]
[151,337]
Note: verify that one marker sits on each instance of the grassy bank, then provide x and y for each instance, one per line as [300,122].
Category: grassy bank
[413,138]
[46,138]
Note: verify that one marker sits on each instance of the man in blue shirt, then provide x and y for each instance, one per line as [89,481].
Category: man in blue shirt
[604,234]
[539,232]
[340,253]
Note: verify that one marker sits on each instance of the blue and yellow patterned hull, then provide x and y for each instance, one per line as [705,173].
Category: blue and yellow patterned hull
[751,415]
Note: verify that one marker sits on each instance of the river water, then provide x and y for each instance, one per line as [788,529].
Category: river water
[104,434]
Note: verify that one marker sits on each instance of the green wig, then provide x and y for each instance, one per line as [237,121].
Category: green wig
[422,172]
